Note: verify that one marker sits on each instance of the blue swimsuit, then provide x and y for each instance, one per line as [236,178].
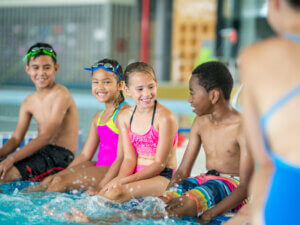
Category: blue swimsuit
[283,200]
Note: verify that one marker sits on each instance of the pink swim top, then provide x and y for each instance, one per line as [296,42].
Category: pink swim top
[108,134]
[145,144]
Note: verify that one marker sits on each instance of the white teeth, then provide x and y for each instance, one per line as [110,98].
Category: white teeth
[101,94]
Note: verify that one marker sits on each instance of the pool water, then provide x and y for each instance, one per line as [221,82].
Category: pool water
[29,208]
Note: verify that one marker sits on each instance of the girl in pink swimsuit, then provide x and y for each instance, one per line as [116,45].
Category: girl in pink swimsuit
[149,135]
[82,173]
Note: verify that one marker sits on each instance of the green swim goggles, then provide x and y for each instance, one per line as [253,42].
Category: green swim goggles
[106,66]
[34,51]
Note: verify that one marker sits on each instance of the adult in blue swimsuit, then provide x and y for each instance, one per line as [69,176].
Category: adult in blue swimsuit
[270,72]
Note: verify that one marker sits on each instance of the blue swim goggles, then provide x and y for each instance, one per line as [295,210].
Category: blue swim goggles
[34,51]
[106,66]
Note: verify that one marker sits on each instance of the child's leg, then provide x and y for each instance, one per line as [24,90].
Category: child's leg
[41,187]
[199,199]
[242,217]
[80,180]
[181,206]
[150,187]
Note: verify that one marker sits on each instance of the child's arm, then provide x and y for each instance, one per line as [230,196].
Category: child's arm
[115,167]
[20,131]
[88,150]
[262,175]
[59,109]
[167,130]
[129,158]
[241,192]
[189,156]
[90,145]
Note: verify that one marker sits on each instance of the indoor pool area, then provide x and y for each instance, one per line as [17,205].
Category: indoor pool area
[29,208]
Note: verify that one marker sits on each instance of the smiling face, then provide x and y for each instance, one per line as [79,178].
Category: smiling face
[105,86]
[41,71]
[199,98]
[142,88]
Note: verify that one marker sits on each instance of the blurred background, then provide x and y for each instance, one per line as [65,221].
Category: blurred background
[173,36]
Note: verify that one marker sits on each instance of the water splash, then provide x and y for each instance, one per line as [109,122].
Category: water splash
[49,208]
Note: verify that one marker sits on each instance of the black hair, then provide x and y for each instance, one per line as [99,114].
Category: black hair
[294,4]
[138,67]
[39,44]
[115,63]
[213,75]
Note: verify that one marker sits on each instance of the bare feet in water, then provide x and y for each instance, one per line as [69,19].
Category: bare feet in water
[41,187]
[76,216]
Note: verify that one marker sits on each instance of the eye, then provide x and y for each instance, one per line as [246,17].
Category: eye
[47,67]
[94,82]
[106,82]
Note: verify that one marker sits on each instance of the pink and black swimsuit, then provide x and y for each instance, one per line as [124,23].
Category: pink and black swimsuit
[146,144]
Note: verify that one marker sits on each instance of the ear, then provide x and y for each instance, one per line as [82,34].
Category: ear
[214,96]
[27,69]
[56,68]
[127,91]
[121,85]
[275,4]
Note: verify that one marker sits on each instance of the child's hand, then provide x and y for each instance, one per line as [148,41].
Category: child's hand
[5,165]
[92,191]
[205,218]
[116,182]
[175,180]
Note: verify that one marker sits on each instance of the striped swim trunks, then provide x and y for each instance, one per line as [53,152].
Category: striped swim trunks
[205,190]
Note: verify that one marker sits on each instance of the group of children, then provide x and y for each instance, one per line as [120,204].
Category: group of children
[137,144]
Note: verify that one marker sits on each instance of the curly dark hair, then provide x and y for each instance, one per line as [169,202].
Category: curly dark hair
[213,75]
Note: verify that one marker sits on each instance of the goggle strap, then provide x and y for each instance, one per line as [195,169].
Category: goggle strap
[103,67]
[89,69]
[27,56]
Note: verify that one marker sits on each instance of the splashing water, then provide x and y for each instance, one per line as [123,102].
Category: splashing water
[50,208]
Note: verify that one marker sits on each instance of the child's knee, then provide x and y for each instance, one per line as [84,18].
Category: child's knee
[56,180]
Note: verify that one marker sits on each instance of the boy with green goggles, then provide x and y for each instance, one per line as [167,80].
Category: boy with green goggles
[40,51]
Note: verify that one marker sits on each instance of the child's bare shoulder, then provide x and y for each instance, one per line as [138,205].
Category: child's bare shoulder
[28,102]
[96,117]
[125,113]
[60,91]
[165,114]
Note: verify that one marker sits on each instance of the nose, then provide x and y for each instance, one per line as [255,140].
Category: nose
[146,92]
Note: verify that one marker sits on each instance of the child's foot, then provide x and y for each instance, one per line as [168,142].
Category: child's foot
[76,216]
[92,192]
[49,211]
[35,188]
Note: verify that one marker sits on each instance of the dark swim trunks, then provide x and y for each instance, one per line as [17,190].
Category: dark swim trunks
[167,173]
[47,161]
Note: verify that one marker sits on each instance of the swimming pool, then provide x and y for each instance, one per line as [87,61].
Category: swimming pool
[29,208]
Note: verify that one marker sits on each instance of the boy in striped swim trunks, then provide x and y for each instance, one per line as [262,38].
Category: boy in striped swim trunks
[217,127]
